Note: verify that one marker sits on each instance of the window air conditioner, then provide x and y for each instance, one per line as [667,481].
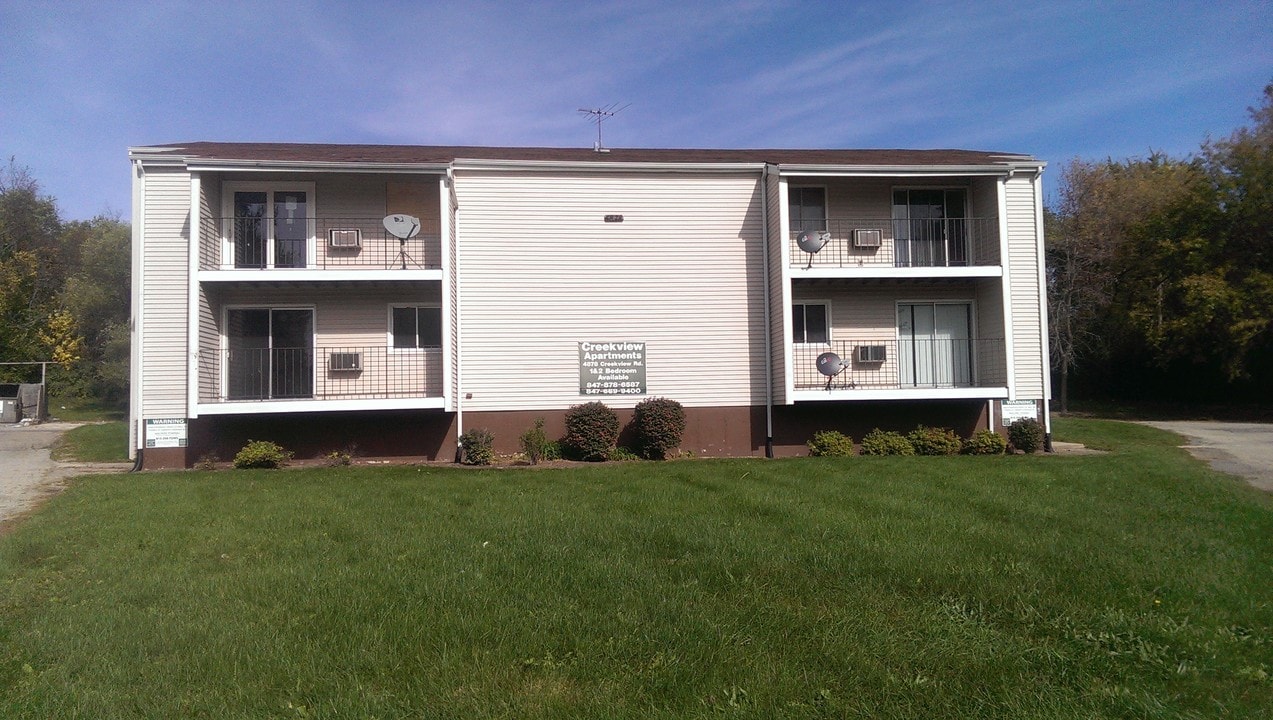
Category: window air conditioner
[344,238]
[345,362]
[870,353]
[866,238]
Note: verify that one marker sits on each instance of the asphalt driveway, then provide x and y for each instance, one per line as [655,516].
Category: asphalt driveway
[1244,449]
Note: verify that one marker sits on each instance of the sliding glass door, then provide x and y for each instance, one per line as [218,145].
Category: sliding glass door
[271,228]
[930,228]
[934,344]
[269,353]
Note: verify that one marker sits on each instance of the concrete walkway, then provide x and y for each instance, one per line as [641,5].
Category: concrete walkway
[1244,449]
[28,475]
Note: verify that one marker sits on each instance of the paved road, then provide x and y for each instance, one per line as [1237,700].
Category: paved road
[1244,449]
[28,474]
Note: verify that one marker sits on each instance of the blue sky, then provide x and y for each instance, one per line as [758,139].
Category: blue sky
[81,82]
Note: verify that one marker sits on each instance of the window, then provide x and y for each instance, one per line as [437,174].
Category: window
[809,323]
[930,228]
[270,227]
[416,327]
[808,208]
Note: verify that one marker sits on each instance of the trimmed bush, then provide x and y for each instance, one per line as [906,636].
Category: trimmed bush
[831,443]
[934,441]
[1026,435]
[535,443]
[592,430]
[621,453]
[659,424]
[985,442]
[477,444]
[261,454]
[881,442]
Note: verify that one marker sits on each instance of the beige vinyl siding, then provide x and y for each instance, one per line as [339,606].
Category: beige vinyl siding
[983,200]
[1023,278]
[989,319]
[209,344]
[778,310]
[347,317]
[542,272]
[165,277]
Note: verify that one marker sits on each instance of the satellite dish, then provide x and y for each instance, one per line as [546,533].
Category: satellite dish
[812,242]
[830,364]
[402,227]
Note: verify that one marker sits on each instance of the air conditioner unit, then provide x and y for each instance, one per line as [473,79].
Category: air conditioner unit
[866,238]
[345,362]
[870,353]
[344,238]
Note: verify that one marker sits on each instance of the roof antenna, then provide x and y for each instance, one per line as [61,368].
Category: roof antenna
[599,115]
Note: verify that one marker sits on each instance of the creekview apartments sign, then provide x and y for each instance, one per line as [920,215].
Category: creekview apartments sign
[611,368]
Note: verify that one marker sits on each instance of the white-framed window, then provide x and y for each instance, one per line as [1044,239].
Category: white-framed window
[811,323]
[807,208]
[415,327]
[268,225]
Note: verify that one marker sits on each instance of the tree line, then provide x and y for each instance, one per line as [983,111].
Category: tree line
[1160,273]
[64,292]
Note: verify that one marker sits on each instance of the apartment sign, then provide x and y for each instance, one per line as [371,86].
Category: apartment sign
[166,433]
[611,368]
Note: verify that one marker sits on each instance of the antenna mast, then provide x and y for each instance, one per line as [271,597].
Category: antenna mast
[600,115]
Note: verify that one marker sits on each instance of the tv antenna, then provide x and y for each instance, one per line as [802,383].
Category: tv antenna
[600,115]
[403,227]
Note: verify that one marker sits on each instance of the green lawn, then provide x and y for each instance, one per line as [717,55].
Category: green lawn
[1135,584]
[96,442]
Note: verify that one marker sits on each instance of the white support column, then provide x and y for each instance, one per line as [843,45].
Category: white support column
[1006,286]
[192,297]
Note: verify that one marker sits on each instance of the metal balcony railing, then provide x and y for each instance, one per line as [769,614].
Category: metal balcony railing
[960,242]
[268,243]
[895,364]
[324,373]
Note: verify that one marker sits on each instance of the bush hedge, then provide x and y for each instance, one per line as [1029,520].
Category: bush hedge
[592,430]
[985,442]
[261,454]
[934,441]
[882,442]
[478,445]
[831,443]
[659,425]
[535,443]
[1026,435]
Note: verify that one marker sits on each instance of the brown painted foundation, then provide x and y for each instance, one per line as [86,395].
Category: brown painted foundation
[431,435]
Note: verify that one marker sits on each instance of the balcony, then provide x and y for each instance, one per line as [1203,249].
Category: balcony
[905,368]
[932,243]
[328,377]
[312,243]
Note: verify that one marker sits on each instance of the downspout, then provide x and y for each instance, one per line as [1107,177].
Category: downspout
[769,356]
[135,316]
[1044,340]
[455,311]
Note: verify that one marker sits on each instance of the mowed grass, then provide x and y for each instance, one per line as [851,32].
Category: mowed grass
[95,442]
[1134,584]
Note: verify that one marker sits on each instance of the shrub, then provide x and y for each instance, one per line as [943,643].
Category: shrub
[261,454]
[535,443]
[1026,435]
[985,442]
[207,461]
[592,429]
[881,442]
[660,423]
[831,443]
[622,453]
[476,444]
[337,458]
[934,441]
[552,450]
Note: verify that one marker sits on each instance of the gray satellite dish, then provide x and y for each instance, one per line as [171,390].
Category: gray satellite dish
[402,227]
[812,241]
[830,365]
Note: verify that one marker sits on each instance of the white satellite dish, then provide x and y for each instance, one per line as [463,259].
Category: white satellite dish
[811,241]
[402,227]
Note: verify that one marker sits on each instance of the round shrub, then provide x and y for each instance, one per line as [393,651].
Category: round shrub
[985,442]
[934,441]
[592,430]
[882,442]
[477,445]
[1026,435]
[831,443]
[261,454]
[659,424]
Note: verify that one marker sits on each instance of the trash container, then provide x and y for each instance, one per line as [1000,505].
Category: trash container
[10,405]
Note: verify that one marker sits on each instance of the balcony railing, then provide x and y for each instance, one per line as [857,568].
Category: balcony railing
[895,364]
[960,242]
[324,373]
[268,243]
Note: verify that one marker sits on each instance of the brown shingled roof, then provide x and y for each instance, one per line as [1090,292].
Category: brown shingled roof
[424,154]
